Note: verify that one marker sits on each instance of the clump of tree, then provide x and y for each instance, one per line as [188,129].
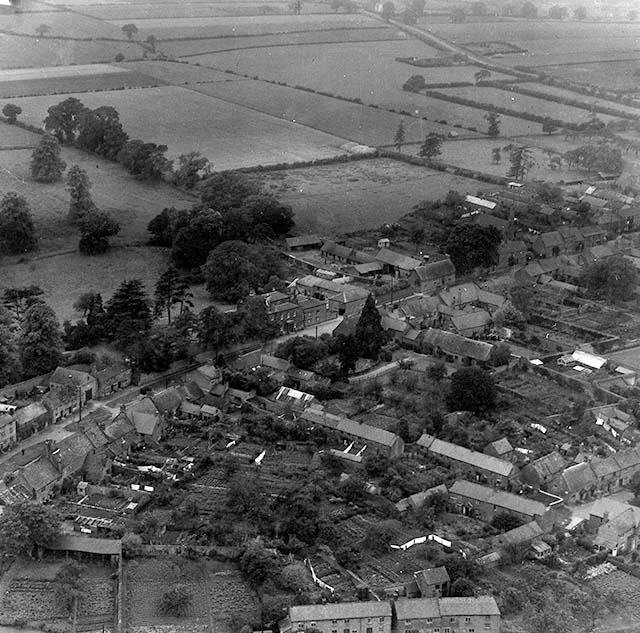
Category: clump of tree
[96,227]
[432,145]
[27,527]
[191,169]
[415,83]
[40,340]
[100,132]
[129,30]
[176,601]
[472,389]
[17,230]
[144,161]
[612,279]
[601,157]
[172,289]
[79,187]
[521,161]
[369,335]
[71,587]
[493,121]
[471,245]
[11,111]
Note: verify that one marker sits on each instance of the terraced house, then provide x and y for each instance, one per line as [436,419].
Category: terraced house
[345,617]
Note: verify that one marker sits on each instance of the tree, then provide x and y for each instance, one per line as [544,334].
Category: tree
[9,358]
[496,155]
[63,119]
[176,601]
[601,157]
[521,161]
[473,245]
[46,164]
[226,190]
[549,125]
[398,139]
[42,30]
[79,187]
[197,234]
[25,527]
[18,300]
[613,279]
[129,30]
[254,320]
[580,13]
[529,10]
[235,268]
[71,587]
[369,334]
[388,10]
[557,12]
[348,352]
[151,40]
[267,212]
[481,75]
[415,83]
[96,228]
[17,231]
[505,521]
[432,146]
[11,111]
[172,289]
[472,389]
[494,124]
[100,132]
[462,587]
[634,484]
[216,329]
[192,167]
[508,315]
[144,161]
[40,342]
[479,9]
[128,315]
[131,545]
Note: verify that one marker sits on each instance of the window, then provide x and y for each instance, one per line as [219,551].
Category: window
[345,631]
[429,620]
[369,629]
[382,619]
[334,630]
[300,625]
[452,620]
[467,619]
[471,631]
[313,624]
[447,629]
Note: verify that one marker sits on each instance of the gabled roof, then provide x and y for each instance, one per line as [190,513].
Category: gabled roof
[273,362]
[482,605]
[303,240]
[145,423]
[73,451]
[498,498]
[436,270]
[331,248]
[575,478]
[69,376]
[118,427]
[433,576]
[547,466]
[471,320]
[512,246]
[395,325]
[397,260]
[109,373]
[457,345]
[486,219]
[482,461]
[24,415]
[551,239]
[167,400]
[73,543]
[369,267]
[38,474]
[522,534]
[418,499]
[590,360]
[366,432]
[501,446]
[286,394]
[339,610]
[480,202]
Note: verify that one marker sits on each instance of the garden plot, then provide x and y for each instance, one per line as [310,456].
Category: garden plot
[361,195]
[245,25]
[358,123]
[547,396]
[230,136]
[627,590]
[523,103]
[202,46]
[19,51]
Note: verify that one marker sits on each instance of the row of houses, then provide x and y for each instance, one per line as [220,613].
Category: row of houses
[424,615]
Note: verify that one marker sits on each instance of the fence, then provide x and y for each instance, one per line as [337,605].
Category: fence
[321,583]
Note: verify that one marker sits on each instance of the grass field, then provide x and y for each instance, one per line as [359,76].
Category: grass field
[65,23]
[19,51]
[132,202]
[13,136]
[177,73]
[200,46]
[614,75]
[229,135]
[244,25]
[333,116]
[366,194]
[523,103]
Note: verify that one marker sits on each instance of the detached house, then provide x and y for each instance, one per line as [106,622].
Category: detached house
[432,583]
[83,382]
[432,277]
[396,263]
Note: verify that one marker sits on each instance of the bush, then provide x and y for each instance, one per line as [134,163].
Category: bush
[176,601]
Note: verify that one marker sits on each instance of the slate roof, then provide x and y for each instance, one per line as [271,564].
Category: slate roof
[457,345]
[434,575]
[145,423]
[471,320]
[521,534]
[482,461]
[118,427]
[24,415]
[38,474]
[331,248]
[303,240]
[69,376]
[273,362]
[546,466]
[73,450]
[575,478]
[189,408]
[419,608]
[369,267]
[167,400]
[501,446]
[418,499]
[397,260]
[339,610]
[436,270]
[73,543]
[366,432]
[498,498]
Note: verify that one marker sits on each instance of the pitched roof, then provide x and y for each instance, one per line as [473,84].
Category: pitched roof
[367,432]
[436,270]
[331,248]
[457,345]
[471,320]
[575,478]
[287,394]
[118,427]
[145,423]
[303,240]
[73,451]
[481,605]
[417,608]
[24,415]
[418,499]
[369,267]
[547,466]
[397,260]
[339,610]
[472,458]
[498,498]
[167,400]
[501,446]
[480,202]
[274,362]
[434,575]
[73,543]
[521,534]
[69,376]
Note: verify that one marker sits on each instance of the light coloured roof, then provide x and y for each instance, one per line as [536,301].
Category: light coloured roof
[434,575]
[590,360]
[73,543]
[471,320]
[366,432]
[481,605]
[498,498]
[338,611]
[397,260]
[521,534]
[478,460]
[480,202]
[145,423]
[417,608]
[28,413]
[436,270]
[303,240]
[501,446]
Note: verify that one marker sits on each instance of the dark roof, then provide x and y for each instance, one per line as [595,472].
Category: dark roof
[331,248]
[69,376]
[167,400]
[119,427]
[498,498]
[457,345]
[501,446]
[434,576]
[73,451]
[303,240]
[73,543]
[471,320]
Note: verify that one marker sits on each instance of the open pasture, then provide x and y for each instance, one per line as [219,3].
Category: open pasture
[348,120]
[60,23]
[178,73]
[12,137]
[163,28]
[544,38]
[128,11]
[333,199]
[229,135]
[615,75]
[523,103]
[19,51]
[191,47]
